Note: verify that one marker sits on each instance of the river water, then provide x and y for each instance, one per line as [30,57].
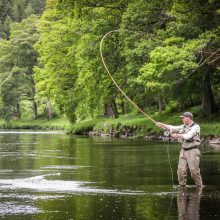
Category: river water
[59,176]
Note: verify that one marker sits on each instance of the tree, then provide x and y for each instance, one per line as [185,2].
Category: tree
[18,58]
[74,41]
[56,74]
[163,51]
[195,20]
[28,10]
[6,27]
[5,15]
[18,10]
[141,22]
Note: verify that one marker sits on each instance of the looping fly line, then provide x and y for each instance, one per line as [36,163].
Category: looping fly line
[135,105]
[113,80]
[119,88]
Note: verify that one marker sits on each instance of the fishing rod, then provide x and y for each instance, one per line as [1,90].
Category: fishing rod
[135,105]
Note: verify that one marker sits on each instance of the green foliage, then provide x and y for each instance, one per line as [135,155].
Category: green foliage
[160,43]
[55,75]
[172,106]
[139,126]
[169,64]
[24,8]
[163,51]
[17,10]
[42,124]
[17,60]
[83,127]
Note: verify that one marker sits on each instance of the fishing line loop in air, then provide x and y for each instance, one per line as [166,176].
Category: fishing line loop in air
[135,105]
[200,64]
[112,78]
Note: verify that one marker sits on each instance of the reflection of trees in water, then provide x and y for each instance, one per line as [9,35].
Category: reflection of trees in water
[8,149]
[188,202]
[16,149]
[210,165]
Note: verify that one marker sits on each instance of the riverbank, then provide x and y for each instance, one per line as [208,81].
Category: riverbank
[137,126]
[131,126]
[38,124]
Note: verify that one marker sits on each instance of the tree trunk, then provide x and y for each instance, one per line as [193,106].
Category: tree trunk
[50,110]
[208,102]
[114,108]
[161,103]
[111,109]
[180,105]
[105,111]
[34,106]
[122,105]
[108,110]
[18,112]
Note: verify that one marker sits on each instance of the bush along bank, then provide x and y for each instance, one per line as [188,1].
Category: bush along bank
[139,127]
[124,127]
[124,131]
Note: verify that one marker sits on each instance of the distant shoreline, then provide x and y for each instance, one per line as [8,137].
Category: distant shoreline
[127,126]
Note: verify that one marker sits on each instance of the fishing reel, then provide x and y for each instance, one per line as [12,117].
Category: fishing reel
[166,136]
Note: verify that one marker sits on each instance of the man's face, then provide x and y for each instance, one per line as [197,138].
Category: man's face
[186,120]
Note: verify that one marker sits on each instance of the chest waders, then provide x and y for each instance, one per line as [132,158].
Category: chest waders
[189,158]
[193,142]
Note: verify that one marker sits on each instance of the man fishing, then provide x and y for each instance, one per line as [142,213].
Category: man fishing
[188,135]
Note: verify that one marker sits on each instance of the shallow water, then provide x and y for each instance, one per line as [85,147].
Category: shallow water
[58,176]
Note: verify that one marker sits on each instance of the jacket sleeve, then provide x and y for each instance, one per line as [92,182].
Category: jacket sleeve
[175,129]
[195,130]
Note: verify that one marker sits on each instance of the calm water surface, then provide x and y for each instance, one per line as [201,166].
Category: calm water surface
[58,176]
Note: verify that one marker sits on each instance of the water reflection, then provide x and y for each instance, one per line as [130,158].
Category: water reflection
[58,176]
[188,202]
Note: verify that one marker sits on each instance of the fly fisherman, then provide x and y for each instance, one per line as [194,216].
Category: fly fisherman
[188,135]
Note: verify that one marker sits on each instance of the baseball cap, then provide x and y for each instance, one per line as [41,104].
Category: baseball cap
[187,114]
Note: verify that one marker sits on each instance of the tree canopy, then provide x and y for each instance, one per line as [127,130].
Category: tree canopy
[165,56]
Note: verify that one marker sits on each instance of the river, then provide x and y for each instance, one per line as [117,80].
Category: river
[59,176]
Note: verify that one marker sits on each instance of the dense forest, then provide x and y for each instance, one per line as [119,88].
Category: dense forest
[166,57]
[18,34]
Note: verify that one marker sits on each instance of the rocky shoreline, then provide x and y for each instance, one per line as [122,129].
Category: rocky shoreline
[212,140]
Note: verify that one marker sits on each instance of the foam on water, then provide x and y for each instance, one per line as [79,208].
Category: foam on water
[6,171]
[30,197]
[41,184]
[64,167]
[9,208]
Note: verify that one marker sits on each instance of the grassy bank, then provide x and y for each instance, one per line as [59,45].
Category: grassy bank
[139,126]
[130,125]
[40,124]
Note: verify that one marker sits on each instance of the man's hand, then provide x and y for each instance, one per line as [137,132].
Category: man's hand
[176,136]
[159,124]
[163,126]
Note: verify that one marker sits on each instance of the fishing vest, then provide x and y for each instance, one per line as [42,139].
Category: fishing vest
[192,142]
